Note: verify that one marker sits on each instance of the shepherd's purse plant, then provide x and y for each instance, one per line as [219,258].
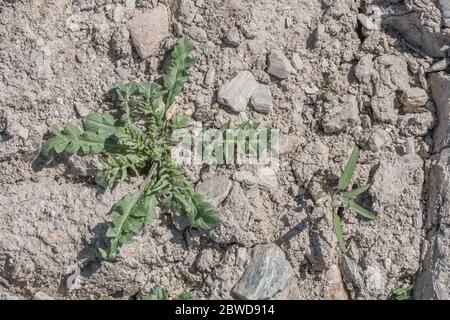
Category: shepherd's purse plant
[137,141]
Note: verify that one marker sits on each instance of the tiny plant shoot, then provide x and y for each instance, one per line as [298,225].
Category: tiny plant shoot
[137,141]
[345,199]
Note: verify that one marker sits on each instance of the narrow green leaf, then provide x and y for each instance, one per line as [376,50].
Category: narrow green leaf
[356,192]
[347,175]
[338,230]
[361,211]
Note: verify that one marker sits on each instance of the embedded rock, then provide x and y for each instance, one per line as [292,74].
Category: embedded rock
[261,99]
[148,29]
[236,93]
[215,189]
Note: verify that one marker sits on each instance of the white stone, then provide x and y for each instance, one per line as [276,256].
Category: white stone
[261,98]
[236,93]
[279,65]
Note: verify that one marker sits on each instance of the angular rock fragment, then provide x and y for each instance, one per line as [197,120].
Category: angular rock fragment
[236,93]
[267,273]
[336,288]
[148,29]
[445,10]
[215,189]
[413,98]
[232,38]
[297,61]
[434,279]
[416,124]
[197,34]
[341,116]
[279,65]
[261,99]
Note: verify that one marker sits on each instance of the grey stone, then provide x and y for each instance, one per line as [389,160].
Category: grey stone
[440,92]
[131,4]
[341,116]
[148,29]
[215,189]
[261,98]
[433,281]
[122,73]
[81,110]
[279,65]
[16,129]
[445,10]
[366,22]
[310,90]
[233,38]
[209,76]
[441,65]
[267,273]
[41,296]
[424,39]
[118,13]
[241,256]
[236,93]
[297,61]
[413,98]
[197,34]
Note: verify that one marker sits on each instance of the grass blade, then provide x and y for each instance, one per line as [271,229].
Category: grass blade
[338,230]
[356,192]
[347,175]
[361,211]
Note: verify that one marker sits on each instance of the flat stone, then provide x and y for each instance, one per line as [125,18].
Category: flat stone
[310,90]
[279,65]
[267,273]
[233,38]
[209,76]
[122,72]
[335,289]
[366,22]
[197,34]
[148,29]
[215,189]
[81,110]
[413,98]
[297,61]
[261,98]
[236,93]
[118,13]
[440,92]
[433,282]
[341,116]
[41,296]
[241,256]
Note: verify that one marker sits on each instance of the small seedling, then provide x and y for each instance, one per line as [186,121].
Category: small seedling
[402,292]
[342,198]
[158,293]
[137,141]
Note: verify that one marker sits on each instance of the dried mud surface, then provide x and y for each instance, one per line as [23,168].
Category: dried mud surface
[60,59]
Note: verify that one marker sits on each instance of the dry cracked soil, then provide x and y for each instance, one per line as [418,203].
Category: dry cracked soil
[328,74]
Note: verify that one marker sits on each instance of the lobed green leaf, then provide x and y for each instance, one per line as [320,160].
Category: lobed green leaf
[347,175]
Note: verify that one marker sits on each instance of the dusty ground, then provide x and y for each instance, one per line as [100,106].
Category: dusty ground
[60,58]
